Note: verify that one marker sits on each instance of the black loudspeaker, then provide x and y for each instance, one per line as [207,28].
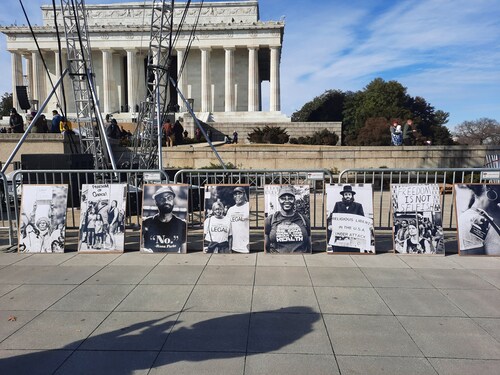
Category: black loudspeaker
[59,162]
[22,97]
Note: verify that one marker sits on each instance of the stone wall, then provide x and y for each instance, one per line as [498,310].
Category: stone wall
[294,129]
[330,157]
[281,156]
[49,143]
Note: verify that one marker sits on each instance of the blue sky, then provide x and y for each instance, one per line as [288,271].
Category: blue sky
[446,51]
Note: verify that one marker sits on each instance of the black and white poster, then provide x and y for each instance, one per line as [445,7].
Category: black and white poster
[350,218]
[417,219]
[478,218]
[42,224]
[164,218]
[287,226]
[226,227]
[102,217]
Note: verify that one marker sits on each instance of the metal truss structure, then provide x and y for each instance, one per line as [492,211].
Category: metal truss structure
[93,139]
[148,135]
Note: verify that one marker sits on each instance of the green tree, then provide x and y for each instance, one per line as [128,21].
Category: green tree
[326,107]
[5,104]
[268,134]
[376,132]
[478,132]
[323,137]
[379,100]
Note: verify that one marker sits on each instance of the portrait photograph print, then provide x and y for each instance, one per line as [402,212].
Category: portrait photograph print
[478,218]
[226,228]
[164,218]
[349,220]
[417,219]
[102,218]
[42,223]
[287,226]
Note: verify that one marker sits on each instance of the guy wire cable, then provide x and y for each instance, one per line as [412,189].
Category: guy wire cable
[63,91]
[39,50]
[190,40]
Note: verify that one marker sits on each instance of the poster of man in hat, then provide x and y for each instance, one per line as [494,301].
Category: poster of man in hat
[102,210]
[416,210]
[287,227]
[227,219]
[42,225]
[164,212]
[350,219]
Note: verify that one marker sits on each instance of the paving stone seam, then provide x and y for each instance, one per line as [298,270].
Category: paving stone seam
[250,313]
[106,317]
[323,317]
[401,324]
[179,313]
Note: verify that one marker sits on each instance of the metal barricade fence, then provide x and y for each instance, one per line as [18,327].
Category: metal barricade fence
[198,178]
[76,178]
[382,178]
[6,209]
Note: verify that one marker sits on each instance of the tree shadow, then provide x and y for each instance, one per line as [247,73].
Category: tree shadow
[185,337]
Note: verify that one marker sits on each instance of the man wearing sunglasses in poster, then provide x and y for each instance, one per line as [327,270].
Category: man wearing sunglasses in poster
[164,232]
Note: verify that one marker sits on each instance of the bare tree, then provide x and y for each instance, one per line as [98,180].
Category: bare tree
[478,132]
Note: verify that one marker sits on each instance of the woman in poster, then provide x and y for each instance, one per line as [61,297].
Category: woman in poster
[99,232]
[113,223]
[217,229]
[43,216]
[478,225]
[416,244]
[287,231]
[91,218]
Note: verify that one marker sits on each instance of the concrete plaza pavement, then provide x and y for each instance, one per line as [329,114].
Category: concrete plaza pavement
[249,314]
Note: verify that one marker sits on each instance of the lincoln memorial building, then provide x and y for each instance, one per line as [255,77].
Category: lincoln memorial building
[232,70]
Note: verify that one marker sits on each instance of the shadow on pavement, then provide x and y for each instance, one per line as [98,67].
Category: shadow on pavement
[188,337]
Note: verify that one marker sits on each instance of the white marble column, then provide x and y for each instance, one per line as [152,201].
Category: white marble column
[253,79]
[29,75]
[229,98]
[132,75]
[107,75]
[17,76]
[141,76]
[38,74]
[58,75]
[274,97]
[181,79]
[205,80]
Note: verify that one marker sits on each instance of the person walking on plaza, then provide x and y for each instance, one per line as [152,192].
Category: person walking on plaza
[16,122]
